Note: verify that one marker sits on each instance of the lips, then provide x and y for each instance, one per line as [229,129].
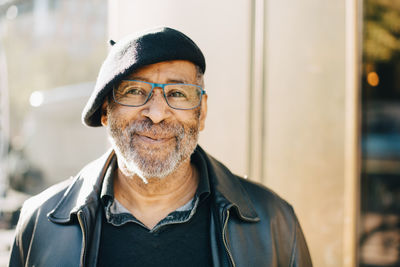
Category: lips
[154,139]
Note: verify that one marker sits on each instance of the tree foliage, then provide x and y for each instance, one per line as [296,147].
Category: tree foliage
[381,30]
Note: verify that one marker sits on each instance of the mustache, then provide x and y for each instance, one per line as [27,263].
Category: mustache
[147,126]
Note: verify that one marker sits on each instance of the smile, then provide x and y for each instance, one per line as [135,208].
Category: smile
[154,139]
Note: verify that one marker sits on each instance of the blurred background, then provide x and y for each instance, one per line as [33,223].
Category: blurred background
[304,97]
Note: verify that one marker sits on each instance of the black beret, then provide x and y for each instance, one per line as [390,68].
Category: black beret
[135,51]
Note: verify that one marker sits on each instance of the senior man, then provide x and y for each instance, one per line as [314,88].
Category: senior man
[156,198]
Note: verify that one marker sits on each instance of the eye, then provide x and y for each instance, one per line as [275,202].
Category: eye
[176,94]
[135,91]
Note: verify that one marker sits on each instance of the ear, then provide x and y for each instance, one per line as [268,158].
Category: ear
[203,112]
[104,112]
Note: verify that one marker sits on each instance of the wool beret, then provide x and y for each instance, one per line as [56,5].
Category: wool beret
[135,51]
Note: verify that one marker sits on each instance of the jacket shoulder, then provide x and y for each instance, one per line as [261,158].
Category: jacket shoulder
[35,220]
[48,200]
[268,205]
[246,194]
[34,210]
[260,193]
[44,201]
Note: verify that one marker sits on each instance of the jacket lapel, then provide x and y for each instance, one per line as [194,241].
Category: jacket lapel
[82,200]
[228,191]
[83,191]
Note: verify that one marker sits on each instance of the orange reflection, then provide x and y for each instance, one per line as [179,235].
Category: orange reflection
[373,78]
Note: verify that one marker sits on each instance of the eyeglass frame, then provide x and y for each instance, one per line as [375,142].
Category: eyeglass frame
[160,85]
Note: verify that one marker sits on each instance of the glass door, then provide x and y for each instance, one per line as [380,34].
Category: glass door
[379,243]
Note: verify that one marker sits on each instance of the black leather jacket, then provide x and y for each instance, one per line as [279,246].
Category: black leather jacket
[250,225]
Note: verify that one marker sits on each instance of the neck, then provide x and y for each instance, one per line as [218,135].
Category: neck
[150,202]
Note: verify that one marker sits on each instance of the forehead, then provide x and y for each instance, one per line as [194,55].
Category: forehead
[173,70]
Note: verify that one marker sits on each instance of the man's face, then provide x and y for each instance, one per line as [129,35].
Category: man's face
[152,140]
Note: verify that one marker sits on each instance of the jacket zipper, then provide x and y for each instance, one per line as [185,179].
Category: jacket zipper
[81,220]
[225,241]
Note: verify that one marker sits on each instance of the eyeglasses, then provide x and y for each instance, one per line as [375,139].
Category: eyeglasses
[136,93]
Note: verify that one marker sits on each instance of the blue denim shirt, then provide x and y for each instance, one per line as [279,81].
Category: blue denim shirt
[117,214]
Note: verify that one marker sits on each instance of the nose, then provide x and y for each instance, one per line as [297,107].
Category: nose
[156,109]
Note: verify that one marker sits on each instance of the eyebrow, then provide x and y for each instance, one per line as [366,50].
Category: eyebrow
[138,78]
[176,81]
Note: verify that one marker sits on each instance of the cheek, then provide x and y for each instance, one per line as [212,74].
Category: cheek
[191,121]
[116,122]
[187,116]
[123,114]
[200,119]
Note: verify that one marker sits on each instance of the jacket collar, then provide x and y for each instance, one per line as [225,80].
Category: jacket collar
[228,190]
[85,190]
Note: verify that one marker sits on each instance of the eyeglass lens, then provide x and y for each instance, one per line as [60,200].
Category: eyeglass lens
[136,93]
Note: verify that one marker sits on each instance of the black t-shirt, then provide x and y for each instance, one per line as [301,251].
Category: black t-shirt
[183,244]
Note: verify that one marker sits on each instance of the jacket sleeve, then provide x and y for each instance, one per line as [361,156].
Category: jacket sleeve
[23,233]
[16,255]
[300,254]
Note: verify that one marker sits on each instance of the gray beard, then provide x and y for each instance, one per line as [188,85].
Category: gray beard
[149,162]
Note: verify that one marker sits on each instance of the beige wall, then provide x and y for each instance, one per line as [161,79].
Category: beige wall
[310,120]
[281,79]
